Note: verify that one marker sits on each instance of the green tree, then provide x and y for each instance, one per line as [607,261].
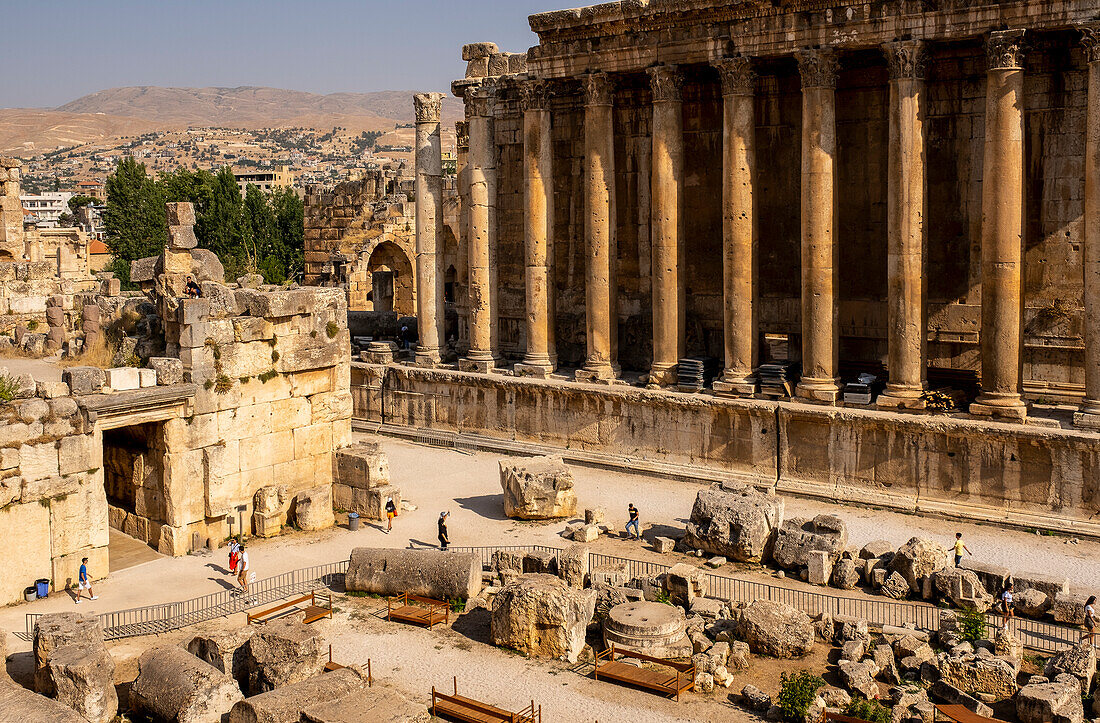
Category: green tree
[80,201]
[134,222]
[219,226]
[290,227]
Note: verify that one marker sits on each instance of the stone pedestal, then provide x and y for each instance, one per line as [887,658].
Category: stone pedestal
[1002,230]
[666,194]
[429,223]
[482,170]
[1089,414]
[819,380]
[599,190]
[905,227]
[650,628]
[538,204]
[739,239]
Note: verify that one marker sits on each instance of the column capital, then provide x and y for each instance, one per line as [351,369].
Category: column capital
[598,89]
[906,59]
[535,94]
[737,74]
[1006,49]
[479,100]
[1090,40]
[666,83]
[427,107]
[462,134]
[818,67]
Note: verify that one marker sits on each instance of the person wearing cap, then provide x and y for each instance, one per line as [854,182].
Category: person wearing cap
[391,512]
[443,539]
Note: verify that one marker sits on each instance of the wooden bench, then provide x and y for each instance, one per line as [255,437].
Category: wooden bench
[962,714]
[458,707]
[313,613]
[682,678]
[417,610]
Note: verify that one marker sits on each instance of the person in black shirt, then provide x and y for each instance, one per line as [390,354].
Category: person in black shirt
[391,512]
[633,522]
[443,539]
[193,291]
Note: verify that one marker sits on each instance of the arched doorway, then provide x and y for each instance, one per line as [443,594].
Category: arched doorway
[390,273]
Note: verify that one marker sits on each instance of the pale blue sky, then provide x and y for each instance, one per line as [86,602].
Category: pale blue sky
[54,52]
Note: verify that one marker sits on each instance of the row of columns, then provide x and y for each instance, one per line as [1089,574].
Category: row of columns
[1002,228]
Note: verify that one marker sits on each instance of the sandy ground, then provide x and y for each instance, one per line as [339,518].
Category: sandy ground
[43,370]
[468,486]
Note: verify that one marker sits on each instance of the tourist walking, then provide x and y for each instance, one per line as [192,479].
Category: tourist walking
[632,512]
[244,569]
[1090,619]
[391,512]
[84,582]
[1006,604]
[959,547]
[234,555]
[443,539]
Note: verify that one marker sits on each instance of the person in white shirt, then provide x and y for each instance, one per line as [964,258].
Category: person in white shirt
[1090,618]
[243,570]
[1006,604]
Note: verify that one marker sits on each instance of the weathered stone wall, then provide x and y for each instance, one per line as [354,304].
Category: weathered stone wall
[53,510]
[1022,475]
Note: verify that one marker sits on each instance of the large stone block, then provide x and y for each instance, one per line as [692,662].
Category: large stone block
[797,538]
[369,504]
[81,676]
[174,685]
[1054,702]
[284,651]
[537,489]
[542,616]
[684,583]
[54,631]
[168,370]
[362,465]
[917,559]
[313,508]
[84,380]
[973,673]
[226,650]
[20,704]
[430,573]
[962,587]
[288,703]
[1078,661]
[737,522]
[123,379]
[775,629]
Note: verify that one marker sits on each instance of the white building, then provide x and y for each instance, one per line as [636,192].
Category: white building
[48,207]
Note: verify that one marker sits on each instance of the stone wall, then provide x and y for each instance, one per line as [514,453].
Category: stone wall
[1022,475]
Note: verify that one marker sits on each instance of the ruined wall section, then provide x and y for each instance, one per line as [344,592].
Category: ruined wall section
[53,508]
[273,402]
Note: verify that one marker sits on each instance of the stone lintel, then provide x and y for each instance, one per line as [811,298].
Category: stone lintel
[1087,420]
[818,390]
[537,371]
[600,374]
[479,366]
[744,387]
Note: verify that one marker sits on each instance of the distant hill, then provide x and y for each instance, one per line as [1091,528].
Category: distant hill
[133,110]
[247,106]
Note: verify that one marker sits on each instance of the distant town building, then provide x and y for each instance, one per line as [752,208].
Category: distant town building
[95,189]
[267,181]
[47,207]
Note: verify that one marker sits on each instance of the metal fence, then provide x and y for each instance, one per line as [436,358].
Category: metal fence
[1036,634]
[153,619]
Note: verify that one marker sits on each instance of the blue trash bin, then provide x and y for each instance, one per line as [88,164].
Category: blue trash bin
[43,586]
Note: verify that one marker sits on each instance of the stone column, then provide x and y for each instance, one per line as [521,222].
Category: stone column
[1089,415]
[482,168]
[429,223]
[819,380]
[462,178]
[599,228]
[739,239]
[906,187]
[666,196]
[538,204]
[1002,230]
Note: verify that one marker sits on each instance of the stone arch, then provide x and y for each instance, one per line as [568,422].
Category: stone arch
[389,275]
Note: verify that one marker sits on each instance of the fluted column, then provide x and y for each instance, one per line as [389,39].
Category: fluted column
[666,197]
[429,223]
[1002,230]
[462,178]
[538,203]
[599,229]
[482,169]
[819,380]
[905,192]
[1089,415]
[739,238]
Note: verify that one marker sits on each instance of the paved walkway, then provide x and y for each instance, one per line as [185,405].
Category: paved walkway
[468,485]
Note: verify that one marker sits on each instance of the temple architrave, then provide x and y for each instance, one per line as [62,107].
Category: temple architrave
[900,188]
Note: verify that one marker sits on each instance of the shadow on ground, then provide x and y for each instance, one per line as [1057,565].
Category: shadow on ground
[488,506]
[474,625]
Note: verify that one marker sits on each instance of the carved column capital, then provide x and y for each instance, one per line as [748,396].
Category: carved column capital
[480,100]
[534,94]
[598,89]
[907,59]
[666,83]
[1006,49]
[818,67]
[427,107]
[462,134]
[737,74]
[1090,40]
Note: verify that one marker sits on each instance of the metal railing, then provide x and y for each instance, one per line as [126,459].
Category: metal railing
[1036,634]
[154,619]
